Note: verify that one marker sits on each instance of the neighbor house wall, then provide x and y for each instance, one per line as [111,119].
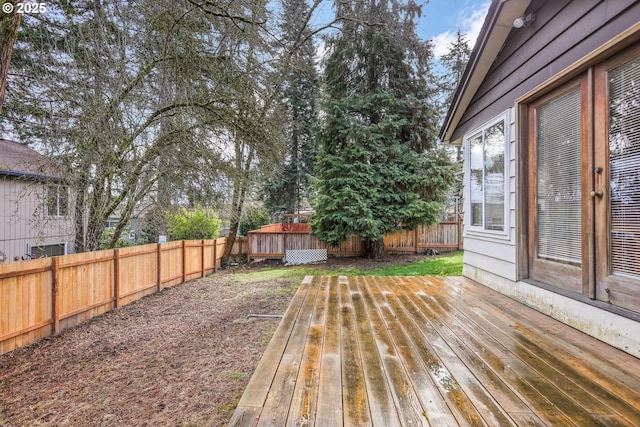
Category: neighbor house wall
[23,220]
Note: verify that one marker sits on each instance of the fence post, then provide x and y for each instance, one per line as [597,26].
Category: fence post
[184,261]
[415,243]
[284,244]
[202,258]
[159,263]
[55,290]
[215,254]
[249,246]
[116,278]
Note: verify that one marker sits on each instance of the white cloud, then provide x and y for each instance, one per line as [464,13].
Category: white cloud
[471,21]
[441,43]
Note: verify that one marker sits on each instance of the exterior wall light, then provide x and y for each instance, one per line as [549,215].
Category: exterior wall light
[524,21]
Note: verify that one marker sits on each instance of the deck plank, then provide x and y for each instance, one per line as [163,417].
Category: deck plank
[329,408]
[484,357]
[484,387]
[549,358]
[354,395]
[432,351]
[381,404]
[575,403]
[303,403]
[410,348]
[581,352]
[465,388]
[278,402]
[547,400]
[259,385]
[416,401]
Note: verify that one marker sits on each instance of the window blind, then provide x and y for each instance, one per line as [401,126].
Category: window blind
[559,219]
[624,168]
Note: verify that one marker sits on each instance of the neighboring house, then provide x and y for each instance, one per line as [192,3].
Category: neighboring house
[36,216]
[548,113]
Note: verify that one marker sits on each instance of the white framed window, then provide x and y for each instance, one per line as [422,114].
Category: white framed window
[487,177]
[57,201]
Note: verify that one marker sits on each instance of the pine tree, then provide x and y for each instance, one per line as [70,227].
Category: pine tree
[454,63]
[378,169]
[290,189]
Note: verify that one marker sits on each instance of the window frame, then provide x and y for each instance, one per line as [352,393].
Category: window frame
[469,228]
[43,249]
[59,189]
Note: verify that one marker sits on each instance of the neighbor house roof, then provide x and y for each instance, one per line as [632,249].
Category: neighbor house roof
[497,26]
[21,161]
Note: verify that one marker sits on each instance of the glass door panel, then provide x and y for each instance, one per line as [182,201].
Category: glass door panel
[558,154]
[617,188]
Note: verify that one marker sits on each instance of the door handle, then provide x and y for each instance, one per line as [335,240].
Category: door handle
[597,193]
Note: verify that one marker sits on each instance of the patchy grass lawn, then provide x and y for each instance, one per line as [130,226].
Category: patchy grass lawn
[448,264]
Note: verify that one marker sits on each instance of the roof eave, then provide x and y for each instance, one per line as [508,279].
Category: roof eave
[495,30]
[31,176]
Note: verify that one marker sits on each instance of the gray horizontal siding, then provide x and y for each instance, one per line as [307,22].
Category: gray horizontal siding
[23,222]
[563,32]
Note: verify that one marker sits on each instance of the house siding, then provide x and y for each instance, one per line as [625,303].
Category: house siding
[563,32]
[23,222]
[565,39]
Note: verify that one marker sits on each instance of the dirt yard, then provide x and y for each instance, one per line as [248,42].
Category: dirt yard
[179,357]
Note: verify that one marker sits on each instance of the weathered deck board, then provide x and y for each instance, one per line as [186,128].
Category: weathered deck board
[548,359]
[329,407]
[391,351]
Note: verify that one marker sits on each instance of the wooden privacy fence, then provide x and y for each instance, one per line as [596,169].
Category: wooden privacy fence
[42,297]
[272,241]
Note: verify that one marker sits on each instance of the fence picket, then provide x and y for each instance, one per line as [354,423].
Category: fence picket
[272,242]
[44,296]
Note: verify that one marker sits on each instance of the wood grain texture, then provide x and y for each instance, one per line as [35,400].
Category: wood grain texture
[44,296]
[395,351]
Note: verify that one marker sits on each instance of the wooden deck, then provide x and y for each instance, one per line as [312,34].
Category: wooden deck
[392,351]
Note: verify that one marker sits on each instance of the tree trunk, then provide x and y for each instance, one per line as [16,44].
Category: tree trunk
[374,249]
[8,32]
[241,184]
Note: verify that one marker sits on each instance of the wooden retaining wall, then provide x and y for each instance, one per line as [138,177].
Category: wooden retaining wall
[42,297]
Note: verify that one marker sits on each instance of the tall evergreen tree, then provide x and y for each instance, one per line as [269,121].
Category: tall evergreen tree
[290,188]
[378,170]
[454,63]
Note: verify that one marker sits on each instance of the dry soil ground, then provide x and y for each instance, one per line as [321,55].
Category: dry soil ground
[179,357]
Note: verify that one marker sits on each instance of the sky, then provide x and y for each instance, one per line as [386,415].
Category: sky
[441,19]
